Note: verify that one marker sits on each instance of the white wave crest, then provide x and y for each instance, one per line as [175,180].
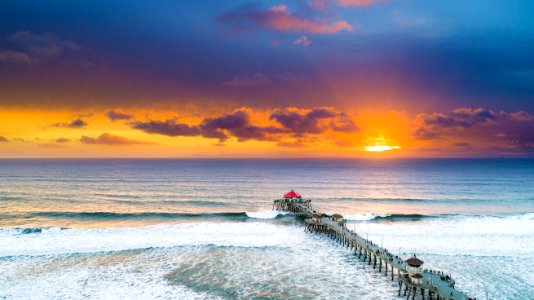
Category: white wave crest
[264,214]
[364,217]
[87,240]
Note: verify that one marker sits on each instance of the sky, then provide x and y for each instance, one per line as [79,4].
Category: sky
[299,78]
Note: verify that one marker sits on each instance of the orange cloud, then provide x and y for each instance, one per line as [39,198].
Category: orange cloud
[111,140]
[52,145]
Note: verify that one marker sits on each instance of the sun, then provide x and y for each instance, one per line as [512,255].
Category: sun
[380,148]
[380,144]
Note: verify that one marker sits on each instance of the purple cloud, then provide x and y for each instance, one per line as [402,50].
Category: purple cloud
[114,115]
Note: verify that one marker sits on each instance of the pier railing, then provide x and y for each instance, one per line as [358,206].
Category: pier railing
[432,284]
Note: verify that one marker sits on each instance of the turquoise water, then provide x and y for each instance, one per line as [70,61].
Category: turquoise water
[204,229]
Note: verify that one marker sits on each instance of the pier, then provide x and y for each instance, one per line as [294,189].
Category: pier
[413,281]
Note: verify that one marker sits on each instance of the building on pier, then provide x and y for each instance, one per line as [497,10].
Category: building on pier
[413,266]
[292,197]
[316,217]
[339,219]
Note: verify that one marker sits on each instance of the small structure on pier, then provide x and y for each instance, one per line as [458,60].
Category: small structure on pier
[414,269]
[316,217]
[292,197]
[339,219]
[290,202]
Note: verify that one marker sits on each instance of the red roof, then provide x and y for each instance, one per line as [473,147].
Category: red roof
[292,194]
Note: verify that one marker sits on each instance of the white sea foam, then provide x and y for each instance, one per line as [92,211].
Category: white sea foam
[265,214]
[457,235]
[56,241]
[227,260]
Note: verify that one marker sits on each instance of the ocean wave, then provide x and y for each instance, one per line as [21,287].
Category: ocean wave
[137,215]
[55,240]
[265,214]
[391,217]
[101,215]
[418,217]
[366,199]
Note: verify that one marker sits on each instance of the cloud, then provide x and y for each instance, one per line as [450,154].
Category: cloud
[169,127]
[291,144]
[14,57]
[238,124]
[356,2]
[433,124]
[289,77]
[244,81]
[498,128]
[111,140]
[77,123]
[62,140]
[41,47]
[324,4]
[312,121]
[425,134]
[303,40]
[3,139]
[114,115]
[461,117]
[279,18]
[52,145]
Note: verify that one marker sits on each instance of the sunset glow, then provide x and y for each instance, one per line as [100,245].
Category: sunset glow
[272,79]
[380,148]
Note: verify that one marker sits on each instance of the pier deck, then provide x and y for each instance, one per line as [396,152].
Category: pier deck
[432,284]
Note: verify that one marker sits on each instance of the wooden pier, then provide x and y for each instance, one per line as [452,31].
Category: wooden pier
[412,281]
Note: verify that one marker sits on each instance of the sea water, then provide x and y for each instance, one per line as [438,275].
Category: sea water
[205,229]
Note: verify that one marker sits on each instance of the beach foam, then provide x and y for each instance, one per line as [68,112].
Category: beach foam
[77,240]
[265,214]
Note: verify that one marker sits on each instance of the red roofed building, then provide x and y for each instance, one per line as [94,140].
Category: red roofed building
[292,196]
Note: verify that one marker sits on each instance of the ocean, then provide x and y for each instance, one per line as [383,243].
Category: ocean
[205,229]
